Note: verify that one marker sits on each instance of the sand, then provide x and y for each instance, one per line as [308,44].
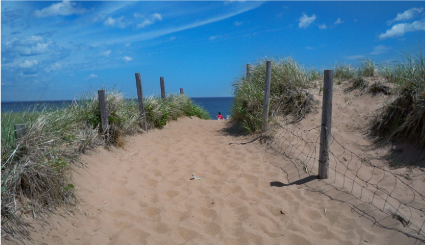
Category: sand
[143,193]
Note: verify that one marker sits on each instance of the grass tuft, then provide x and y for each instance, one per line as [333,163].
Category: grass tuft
[289,95]
[404,117]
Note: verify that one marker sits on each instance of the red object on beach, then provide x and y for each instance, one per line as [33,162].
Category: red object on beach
[220,117]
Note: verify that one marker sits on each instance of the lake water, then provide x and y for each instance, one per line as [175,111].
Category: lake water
[212,104]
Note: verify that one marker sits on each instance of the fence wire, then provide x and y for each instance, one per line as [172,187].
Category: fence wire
[351,173]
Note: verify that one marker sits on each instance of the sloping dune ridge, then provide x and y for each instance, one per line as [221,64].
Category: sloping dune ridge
[143,193]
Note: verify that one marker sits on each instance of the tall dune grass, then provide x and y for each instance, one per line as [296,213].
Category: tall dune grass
[288,92]
[36,168]
[404,117]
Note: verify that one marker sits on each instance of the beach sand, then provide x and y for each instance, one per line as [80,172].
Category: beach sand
[143,193]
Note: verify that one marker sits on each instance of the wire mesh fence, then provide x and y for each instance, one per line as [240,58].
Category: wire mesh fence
[352,173]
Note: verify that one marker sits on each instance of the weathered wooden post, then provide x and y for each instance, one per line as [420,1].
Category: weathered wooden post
[140,100]
[248,68]
[266,96]
[181,91]
[20,130]
[325,133]
[103,111]
[161,81]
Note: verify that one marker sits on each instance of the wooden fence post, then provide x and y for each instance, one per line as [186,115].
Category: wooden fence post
[266,96]
[181,91]
[161,81]
[103,110]
[248,68]
[140,100]
[325,133]
[20,130]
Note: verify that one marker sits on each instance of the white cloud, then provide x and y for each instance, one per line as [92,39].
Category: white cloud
[109,22]
[120,22]
[127,59]
[323,26]
[306,21]
[238,23]
[64,8]
[338,21]
[233,1]
[213,37]
[28,63]
[32,45]
[172,38]
[92,76]
[407,15]
[150,20]
[398,30]
[128,44]
[381,49]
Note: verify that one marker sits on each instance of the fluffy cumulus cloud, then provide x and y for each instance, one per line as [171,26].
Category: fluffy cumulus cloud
[305,20]
[64,8]
[151,19]
[407,15]
[233,1]
[399,30]
[127,59]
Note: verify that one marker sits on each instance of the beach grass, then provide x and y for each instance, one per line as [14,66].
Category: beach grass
[36,169]
[289,95]
[403,117]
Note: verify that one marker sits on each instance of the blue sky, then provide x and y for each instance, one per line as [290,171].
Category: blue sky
[69,48]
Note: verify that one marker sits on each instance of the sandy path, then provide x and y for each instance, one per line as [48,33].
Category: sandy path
[143,194]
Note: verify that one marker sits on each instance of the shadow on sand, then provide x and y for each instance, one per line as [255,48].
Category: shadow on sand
[234,129]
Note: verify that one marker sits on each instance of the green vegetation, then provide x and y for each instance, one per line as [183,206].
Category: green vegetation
[401,119]
[346,72]
[404,117]
[288,93]
[36,168]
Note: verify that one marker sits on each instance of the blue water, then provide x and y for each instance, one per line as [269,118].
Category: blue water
[213,105]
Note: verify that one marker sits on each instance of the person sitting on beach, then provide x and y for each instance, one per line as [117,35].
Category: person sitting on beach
[219,116]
